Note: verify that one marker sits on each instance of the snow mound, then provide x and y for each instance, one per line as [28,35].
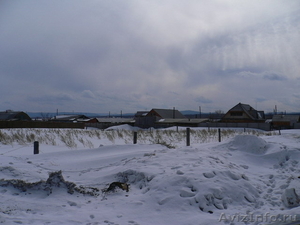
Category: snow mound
[248,143]
[229,190]
[123,127]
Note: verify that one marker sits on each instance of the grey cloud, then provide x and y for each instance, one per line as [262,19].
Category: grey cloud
[275,77]
[202,99]
[88,94]
[260,99]
[297,95]
[175,59]
[139,52]
[57,99]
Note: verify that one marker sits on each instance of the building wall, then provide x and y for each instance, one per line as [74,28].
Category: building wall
[261,126]
[145,122]
[236,115]
[296,125]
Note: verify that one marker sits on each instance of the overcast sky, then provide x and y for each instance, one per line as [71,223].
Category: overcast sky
[100,56]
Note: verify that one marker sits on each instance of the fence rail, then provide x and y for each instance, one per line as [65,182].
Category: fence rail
[47,124]
[39,124]
[296,125]
[261,126]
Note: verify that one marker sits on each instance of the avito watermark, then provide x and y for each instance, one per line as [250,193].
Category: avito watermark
[251,217]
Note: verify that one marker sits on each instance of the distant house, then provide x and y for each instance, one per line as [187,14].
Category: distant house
[243,113]
[186,122]
[10,115]
[285,121]
[156,117]
[141,114]
[165,114]
[70,118]
[106,122]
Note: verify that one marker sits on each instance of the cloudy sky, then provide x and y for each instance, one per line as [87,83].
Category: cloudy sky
[100,56]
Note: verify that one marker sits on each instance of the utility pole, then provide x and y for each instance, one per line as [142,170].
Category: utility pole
[275,110]
[200,111]
[173,112]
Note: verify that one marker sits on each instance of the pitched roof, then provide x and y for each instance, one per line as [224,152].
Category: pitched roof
[241,107]
[69,117]
[115,120]
[283,118]
[168,113]
[250,111]
[181,121]
[141,113]
[14,115]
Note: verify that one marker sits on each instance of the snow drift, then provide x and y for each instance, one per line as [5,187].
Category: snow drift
[208,183]
[248,143]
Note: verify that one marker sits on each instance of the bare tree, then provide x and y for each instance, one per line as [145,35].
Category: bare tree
[219,111]
[45,116]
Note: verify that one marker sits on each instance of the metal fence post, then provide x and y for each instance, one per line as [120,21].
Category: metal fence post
[219,132]
[134,137]
[36,147]
[188,136]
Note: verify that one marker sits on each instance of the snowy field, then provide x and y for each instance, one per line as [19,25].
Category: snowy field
[250,177]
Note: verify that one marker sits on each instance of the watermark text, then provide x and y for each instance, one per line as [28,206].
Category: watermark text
[251,217]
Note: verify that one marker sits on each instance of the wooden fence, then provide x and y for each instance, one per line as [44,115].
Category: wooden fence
[261,126]
[39,124]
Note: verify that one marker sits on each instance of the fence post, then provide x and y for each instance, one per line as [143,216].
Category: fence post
[188,136]
[219,132]
[134,137]
[36,147]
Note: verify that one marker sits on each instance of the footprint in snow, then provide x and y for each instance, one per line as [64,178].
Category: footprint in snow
[72,203]
[209,174]
[131,222]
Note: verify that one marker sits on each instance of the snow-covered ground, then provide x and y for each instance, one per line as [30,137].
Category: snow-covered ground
[245,179]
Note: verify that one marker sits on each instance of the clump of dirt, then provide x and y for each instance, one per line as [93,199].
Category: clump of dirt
[54,181]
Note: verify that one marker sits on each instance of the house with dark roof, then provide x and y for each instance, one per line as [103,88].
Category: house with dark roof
[10,115]
[157,117]
[243,113]
[285,121]
[141,114]
[106,122]
[165,114]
